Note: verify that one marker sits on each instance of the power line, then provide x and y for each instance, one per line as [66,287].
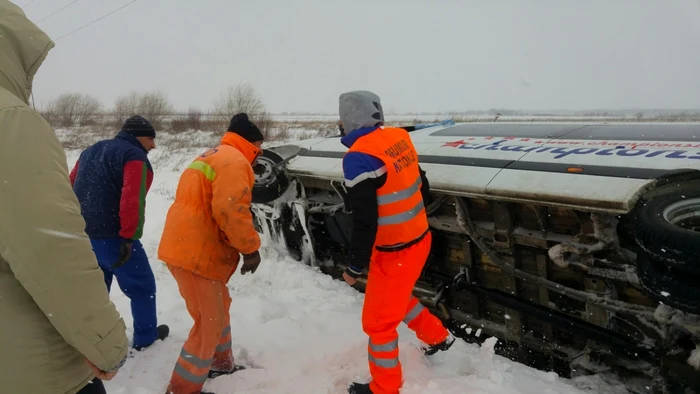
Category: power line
[28,4]
[57,11]
[96,20]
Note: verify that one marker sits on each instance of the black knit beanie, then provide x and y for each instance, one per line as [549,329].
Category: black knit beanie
[138,126]
[245,128]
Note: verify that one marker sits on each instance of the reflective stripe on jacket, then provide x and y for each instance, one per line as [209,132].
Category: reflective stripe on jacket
[210,222]
[401,213]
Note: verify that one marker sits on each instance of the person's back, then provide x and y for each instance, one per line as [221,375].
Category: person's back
[391,236]
[54,309]
[99,183]
[199,215]
[111,180]
[207,229]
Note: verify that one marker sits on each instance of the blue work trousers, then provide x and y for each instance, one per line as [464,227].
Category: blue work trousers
[136,280]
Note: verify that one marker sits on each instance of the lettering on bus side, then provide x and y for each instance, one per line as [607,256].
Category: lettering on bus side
[561,152]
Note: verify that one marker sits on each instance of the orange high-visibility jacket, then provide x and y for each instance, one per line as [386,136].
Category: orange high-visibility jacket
[402,216]
[210,222]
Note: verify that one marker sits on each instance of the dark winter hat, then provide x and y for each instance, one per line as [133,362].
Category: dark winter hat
[245,128]
[138,126]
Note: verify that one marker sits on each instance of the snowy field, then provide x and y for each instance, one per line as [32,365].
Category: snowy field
[301,330]
[439,116]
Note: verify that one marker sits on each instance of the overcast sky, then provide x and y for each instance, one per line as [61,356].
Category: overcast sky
[418,55]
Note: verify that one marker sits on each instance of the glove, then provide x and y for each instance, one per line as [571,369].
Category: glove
[250,262]
[124,253]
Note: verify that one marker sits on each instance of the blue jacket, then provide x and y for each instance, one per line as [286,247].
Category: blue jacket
[111,179]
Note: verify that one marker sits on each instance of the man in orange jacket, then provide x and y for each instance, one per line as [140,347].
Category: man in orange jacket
[390,233]
[207,229]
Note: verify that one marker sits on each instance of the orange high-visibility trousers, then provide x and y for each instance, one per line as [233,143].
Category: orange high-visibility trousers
[388,302]
[209,344]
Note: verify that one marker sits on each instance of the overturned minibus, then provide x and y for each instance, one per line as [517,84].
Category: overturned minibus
[575,244]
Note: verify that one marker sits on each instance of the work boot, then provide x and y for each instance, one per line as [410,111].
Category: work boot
[214,373]
[442,346]
[163,332]
[359,388]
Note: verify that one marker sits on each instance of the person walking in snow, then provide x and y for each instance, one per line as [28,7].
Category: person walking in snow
[111,179]
[390,234]
[59,332]
[207,229]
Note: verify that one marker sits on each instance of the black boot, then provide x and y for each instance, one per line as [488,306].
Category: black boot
[214,373]
[442,346]
[163,332]
[359,388]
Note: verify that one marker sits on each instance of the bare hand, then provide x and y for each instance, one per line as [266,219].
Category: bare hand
[349,279]
[100,374]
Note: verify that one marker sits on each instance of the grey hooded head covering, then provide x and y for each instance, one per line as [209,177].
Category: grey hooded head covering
[360,108]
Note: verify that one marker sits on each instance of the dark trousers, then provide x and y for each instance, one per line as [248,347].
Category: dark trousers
[93,387]
[136,280]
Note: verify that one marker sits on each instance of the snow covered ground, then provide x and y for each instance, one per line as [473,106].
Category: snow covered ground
[301,329]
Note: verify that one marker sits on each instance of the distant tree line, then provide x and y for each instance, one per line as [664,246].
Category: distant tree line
[74,109]
[78,110]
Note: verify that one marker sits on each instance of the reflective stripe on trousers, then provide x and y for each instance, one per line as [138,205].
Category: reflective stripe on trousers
[414,309]
[208,345]
[388,302]
[384,355]
[221,361]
